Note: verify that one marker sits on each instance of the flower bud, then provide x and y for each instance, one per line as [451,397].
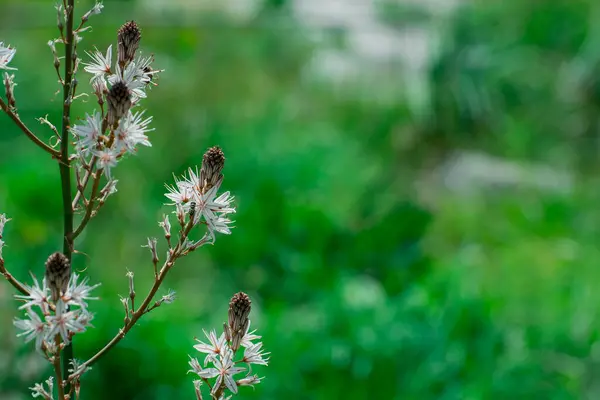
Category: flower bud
[129,36]
[58,273]
[119,102]
[239,311]
[212,165]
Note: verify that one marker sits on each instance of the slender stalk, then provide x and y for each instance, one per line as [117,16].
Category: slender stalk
[57,371]
[65,165]
[90,206]
[12,280]
[27,131]
[84,182]
[143,308]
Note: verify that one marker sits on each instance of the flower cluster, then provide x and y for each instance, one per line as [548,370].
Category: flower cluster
[221,351]
[57,307]
[196,195]
[6,55]
[116,129]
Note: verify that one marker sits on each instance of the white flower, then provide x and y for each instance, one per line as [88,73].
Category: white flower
[107,159]
[169,297]
[38,296]
[212,209]
[89,132]
[6,54]
[66,322]
[1,246]
[130,131]
[181,193]
[137,75]
[33,328]
[225,371]
[213,349]
[254,354]
[78,293]
[100,64]
[249,336]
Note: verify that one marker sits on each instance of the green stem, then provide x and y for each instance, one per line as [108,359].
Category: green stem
[65,167]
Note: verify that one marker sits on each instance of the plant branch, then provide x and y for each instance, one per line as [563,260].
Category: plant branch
[86,178]
[11,279]
[27,131]
[89,207]
[65,165]
[135,316]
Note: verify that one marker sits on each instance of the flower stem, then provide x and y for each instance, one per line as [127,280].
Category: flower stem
[12,280]
[90,206]
[65,167]
[135,316]
[27,131]
[58,373]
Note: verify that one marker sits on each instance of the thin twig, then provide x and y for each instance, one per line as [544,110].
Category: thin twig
[86,178]
[12,280]
[89,207]
[27,131]
[142,308]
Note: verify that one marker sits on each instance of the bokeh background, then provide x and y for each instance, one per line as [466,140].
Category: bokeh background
[417,191]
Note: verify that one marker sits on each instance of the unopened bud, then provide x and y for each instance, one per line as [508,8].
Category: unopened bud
[152,246]
[9,89]
[58,273]
[166,225]
[119,102]
[97,9]
[239,311]
[129,36]
[212,165]
[129,276]
[250,380]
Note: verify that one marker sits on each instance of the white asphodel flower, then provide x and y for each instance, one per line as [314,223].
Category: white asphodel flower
[255,354]
[224,371]
[212,349]
[89,132]
[33,328]
[38,296]
[6,55]
[187,193]
[78,293]
[100,64]
[137,75]
[107,159]
[131,131]
[65,323]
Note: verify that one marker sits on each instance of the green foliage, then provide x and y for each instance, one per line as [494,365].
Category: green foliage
[360,287]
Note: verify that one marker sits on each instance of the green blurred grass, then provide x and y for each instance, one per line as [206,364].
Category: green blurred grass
[360,288]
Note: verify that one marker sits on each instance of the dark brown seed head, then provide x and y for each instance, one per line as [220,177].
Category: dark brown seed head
[119,102]
[58,273]
[212,166]
[239,311]
[129,36]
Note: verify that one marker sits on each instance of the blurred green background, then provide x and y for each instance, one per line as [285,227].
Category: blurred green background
[416,184]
